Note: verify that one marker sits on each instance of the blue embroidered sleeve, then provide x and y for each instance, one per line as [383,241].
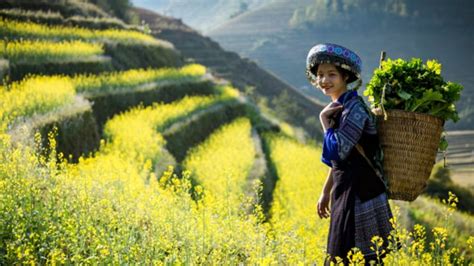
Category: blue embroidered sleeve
[338,142]
[350,129]
[329,148]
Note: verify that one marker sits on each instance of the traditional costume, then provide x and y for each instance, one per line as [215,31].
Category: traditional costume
[359,202]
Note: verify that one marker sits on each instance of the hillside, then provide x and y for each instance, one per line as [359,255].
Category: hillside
[278,36]
[117,148]
[203,15]
[288,103]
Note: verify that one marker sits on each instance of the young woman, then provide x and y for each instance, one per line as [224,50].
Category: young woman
[359,205]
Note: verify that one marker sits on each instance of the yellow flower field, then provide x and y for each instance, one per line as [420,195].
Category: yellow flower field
[30,30]
[135,132]
[300,235]
[222,163]
[47,51]
[134,77]
[34,95]
[40,94]
[112,208]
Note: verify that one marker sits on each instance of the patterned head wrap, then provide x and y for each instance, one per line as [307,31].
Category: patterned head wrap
[337,55]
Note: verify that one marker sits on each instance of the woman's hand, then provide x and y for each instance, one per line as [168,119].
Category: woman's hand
[328,112]
[323,206]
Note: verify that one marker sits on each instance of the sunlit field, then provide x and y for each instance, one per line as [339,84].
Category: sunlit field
[30,30]
[115,204]
[34,95]
[117,81]
[47,51]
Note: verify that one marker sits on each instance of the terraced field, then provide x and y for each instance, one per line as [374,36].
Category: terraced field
[169,165]
[242,72]
[460,157]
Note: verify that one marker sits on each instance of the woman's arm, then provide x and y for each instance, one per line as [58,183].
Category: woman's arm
[325,116]
[328,184]
[339,142]
[323,202]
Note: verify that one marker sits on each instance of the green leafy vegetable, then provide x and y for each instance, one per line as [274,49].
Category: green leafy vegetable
[414,86]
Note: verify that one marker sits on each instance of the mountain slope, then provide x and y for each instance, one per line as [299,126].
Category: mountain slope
[203,15]
[279,35]
[301,111]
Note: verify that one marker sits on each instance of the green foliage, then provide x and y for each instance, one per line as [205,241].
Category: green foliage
[414,86]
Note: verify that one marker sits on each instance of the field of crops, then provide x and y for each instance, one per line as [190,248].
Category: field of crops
[29,30]
[46,51]
[120,81]
[115,206]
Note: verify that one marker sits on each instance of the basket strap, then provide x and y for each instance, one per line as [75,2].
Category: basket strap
[377,171]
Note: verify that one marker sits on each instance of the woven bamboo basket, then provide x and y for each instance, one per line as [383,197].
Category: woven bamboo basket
[410,143]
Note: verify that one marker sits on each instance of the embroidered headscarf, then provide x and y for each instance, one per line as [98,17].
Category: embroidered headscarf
[337,55]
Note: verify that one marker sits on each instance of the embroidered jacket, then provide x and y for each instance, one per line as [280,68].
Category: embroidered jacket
[350,125]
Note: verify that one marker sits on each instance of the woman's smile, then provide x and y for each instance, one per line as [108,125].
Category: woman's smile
[330,81]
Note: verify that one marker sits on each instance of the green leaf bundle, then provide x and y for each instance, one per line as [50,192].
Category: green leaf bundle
[414,86]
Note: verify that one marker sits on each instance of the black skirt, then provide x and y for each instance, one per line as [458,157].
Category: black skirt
[341,237]
[356,214]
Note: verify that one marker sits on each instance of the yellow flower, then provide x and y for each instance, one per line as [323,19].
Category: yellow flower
[434,66]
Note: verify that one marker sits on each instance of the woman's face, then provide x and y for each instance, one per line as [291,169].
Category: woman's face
[330,81]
